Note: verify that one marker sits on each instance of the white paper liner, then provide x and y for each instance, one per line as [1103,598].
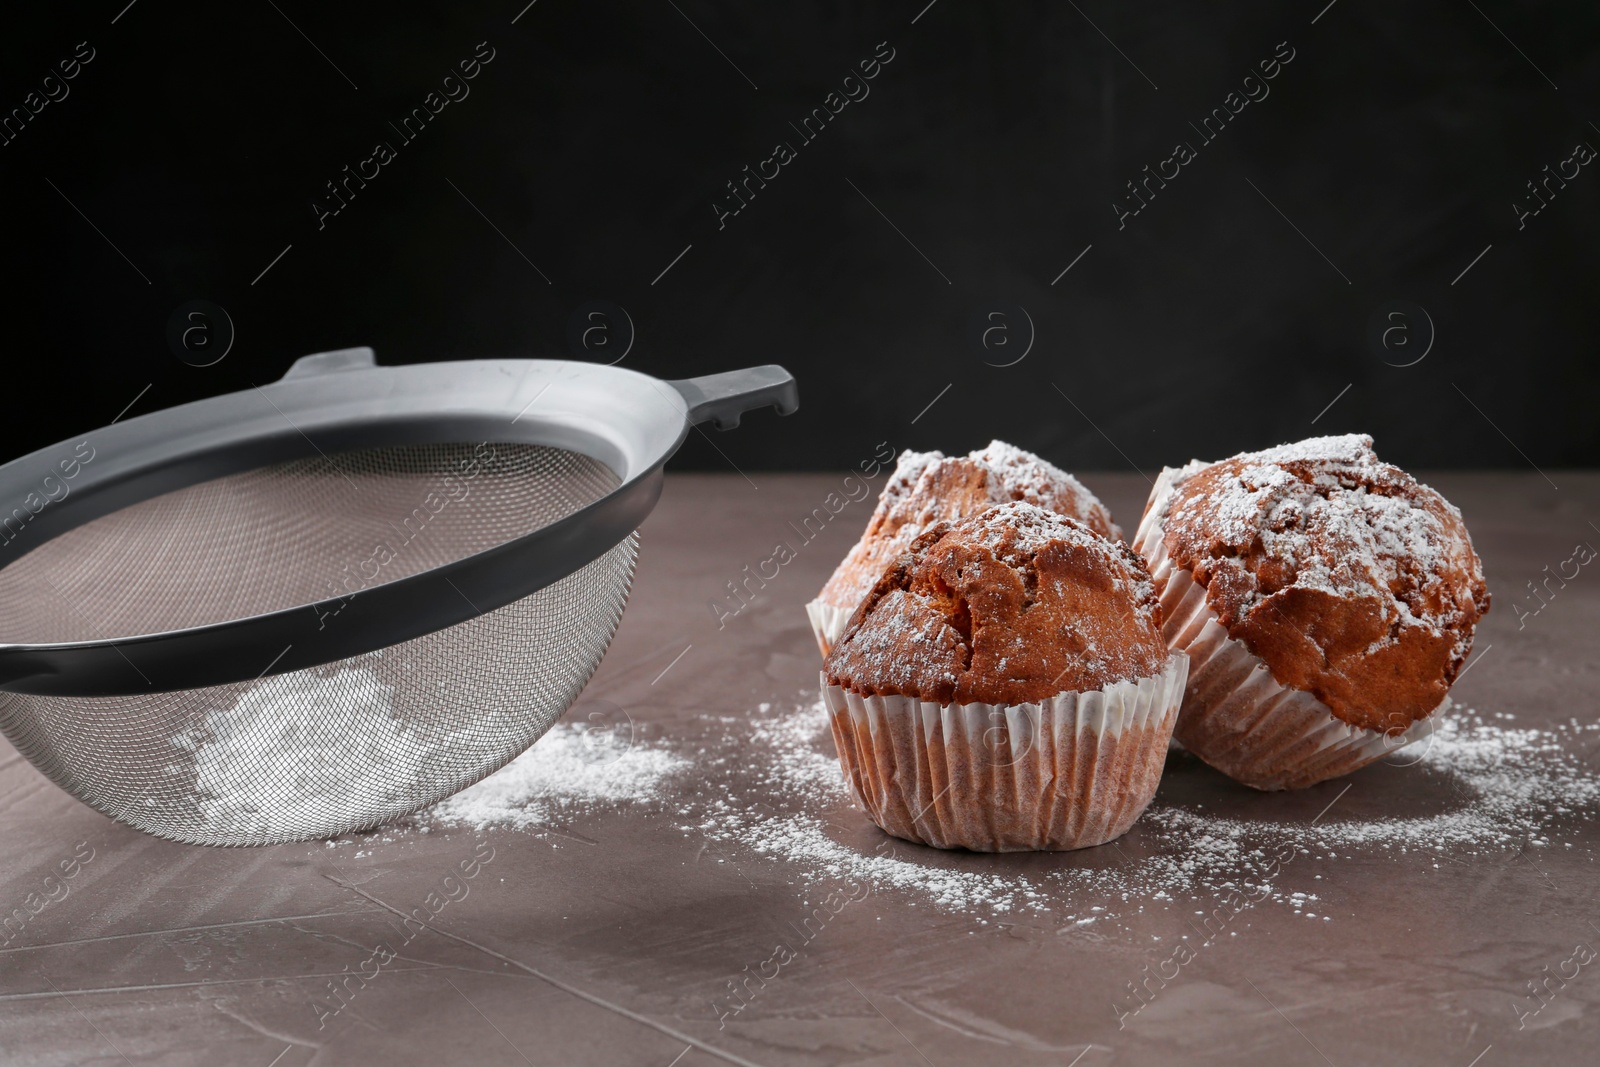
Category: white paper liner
[827,623]
[1069,772]
[1236,716]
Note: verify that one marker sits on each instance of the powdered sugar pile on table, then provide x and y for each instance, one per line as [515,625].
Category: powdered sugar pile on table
[560,774]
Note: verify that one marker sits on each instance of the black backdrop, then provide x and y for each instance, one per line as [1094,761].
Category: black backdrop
[906,254]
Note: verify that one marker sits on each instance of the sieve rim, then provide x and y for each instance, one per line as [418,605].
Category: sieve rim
[339,401]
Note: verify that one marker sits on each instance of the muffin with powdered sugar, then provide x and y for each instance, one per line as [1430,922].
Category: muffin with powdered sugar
[1004,686]
[1327,600]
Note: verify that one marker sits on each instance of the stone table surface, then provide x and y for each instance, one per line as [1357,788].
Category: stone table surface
[612,937]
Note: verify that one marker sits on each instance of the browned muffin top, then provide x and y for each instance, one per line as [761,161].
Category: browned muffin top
[1351,579]
[1007,607]
[928,487]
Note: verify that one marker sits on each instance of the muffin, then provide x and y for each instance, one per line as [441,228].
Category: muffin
[1004,686]
[928,487]
[1326,599]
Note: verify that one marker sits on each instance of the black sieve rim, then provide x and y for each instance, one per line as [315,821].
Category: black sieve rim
[334,402]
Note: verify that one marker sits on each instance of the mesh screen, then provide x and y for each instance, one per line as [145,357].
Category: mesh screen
[285,535]
[326,750]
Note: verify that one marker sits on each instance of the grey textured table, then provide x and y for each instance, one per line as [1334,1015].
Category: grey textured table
[606,941]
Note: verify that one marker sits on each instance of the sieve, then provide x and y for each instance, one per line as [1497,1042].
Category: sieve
[314,606]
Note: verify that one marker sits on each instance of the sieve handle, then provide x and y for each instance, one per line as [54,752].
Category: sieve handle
[722,398]
[332,362]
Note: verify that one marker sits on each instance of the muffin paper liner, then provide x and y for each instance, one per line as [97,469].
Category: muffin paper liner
[1068,772]
[827,622]
[1236,716]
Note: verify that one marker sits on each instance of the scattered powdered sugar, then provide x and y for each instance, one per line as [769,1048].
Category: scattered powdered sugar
[778,791]
[769,783]
[561,774]
[1509,785]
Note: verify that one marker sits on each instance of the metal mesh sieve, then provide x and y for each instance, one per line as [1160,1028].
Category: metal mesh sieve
[300,610]
[333,748]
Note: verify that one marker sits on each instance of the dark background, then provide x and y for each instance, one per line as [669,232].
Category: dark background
[997,139]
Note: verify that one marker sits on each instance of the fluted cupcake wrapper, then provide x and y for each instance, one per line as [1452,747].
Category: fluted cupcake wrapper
[1069,772]
[827,622]
[1236,716]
